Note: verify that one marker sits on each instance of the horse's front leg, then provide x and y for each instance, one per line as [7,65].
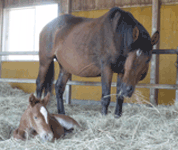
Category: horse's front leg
[119,99]
[106,79]
[59,89]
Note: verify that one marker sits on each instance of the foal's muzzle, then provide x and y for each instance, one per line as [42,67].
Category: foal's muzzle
[47,136]
[126,90]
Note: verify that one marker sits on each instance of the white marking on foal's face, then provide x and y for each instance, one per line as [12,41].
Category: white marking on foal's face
[44,113]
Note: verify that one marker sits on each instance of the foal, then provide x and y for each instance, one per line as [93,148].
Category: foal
[37,120]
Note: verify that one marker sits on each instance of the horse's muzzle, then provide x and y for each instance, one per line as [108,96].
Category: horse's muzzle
[126,90]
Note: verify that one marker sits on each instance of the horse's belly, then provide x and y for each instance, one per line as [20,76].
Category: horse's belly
[76,54]
[77,64]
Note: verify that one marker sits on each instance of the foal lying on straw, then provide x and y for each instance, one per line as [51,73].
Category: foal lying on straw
[37,120]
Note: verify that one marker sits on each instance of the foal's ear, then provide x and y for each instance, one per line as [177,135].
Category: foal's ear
[155,38]
[46,99]
[32,100]
[135,33]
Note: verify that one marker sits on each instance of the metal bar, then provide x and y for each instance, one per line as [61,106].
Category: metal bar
[17,80]
[1,28]
[165,51]
[69,6]
[154,74]
[155,51]
[19,53]
[68,91]
[68,88]
[177,77]
[81,83]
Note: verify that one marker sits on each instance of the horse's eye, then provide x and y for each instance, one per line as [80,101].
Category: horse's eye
[35,117]
[138,52]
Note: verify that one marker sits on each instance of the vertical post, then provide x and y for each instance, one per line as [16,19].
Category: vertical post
[59,8]
[1,26]
[69,6]
[68,88]
[177,76]
[154,75]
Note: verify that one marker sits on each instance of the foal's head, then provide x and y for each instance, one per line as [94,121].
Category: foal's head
[39,117]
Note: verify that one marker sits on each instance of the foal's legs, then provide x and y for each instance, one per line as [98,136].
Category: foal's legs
[106,79]
[43,71]
[59,89]
[119,99]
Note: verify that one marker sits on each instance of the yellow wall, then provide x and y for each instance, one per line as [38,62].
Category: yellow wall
[168,40]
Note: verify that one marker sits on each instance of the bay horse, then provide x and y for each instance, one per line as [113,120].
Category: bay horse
[113,43]
[37,120]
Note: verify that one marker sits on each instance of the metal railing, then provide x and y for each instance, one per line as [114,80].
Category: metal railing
[70,83]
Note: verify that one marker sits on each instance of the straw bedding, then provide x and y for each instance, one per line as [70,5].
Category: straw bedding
[140,128]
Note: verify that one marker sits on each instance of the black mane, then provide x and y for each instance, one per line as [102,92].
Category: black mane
[125,28]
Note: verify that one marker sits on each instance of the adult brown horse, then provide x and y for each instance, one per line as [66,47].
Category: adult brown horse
[115,42]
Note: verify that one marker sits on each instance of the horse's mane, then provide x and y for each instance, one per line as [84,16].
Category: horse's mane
[126,24]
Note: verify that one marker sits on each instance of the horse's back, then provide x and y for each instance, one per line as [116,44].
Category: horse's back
[68,38]
[48,33]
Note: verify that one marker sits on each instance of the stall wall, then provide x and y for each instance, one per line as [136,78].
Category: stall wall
[168,40]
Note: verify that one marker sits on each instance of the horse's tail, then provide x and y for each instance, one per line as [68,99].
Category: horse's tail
[48,84]
[47,36]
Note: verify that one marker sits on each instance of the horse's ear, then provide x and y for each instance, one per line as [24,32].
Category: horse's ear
[32,100]
[46,99]
[115,20]
[135,33]
[155,38]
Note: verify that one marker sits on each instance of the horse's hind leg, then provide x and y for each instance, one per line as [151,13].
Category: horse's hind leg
[106,79]
[49,79]
[59,89]
[43,71]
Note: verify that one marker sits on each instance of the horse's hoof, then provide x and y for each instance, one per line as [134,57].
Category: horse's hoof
[61,113]
[104,112]
[117,116]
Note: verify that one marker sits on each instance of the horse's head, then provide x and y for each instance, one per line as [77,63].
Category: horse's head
[134,45]
[137,62]
[39,117]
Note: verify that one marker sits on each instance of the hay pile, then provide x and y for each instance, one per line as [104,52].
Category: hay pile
[140,127]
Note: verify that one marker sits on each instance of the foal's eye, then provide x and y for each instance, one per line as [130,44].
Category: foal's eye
[35,117]
[138,52]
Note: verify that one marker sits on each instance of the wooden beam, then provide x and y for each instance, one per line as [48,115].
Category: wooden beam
[154,75]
